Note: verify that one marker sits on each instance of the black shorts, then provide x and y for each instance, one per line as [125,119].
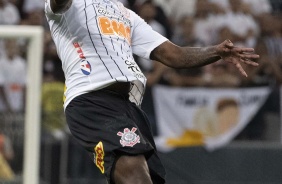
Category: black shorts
[108,125]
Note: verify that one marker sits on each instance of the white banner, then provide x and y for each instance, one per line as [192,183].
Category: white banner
[203,116]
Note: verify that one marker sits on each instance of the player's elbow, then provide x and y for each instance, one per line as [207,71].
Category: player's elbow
[169,54]
[174,58]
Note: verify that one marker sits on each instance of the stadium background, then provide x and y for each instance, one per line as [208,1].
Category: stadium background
[253,156]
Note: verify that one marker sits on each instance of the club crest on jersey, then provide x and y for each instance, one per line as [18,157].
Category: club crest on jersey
[85,67]
[129,137]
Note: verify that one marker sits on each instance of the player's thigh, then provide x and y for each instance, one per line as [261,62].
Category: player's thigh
[131,169]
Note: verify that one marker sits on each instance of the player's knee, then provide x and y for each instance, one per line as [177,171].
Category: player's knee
[132,169]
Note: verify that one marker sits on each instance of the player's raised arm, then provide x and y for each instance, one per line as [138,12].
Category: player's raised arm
[187,57]
[59,6]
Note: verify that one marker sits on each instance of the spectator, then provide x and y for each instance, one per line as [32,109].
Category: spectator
[258,7]
[19,5]
[204,25]
[241,23]
[222,3]
[271,37]
[9,14]
[6,154]
[12,79]
[175,9]
[212,17]
[221,75]
[53,114]
[52,62]
[276,6]
[152,69]
[160,15]
[53,120]
[34,17]
[270,48]
[185,35]
[148,12]
[32,5]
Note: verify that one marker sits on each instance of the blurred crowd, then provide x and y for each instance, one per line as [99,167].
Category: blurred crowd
[195,23]
[249,23]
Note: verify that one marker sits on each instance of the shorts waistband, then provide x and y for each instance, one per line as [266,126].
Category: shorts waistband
[122,88]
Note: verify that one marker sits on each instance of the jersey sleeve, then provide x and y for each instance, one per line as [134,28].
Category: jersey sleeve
[48,9]
[143,38]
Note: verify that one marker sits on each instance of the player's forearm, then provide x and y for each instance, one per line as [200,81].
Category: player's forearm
[196,56]
[184,57]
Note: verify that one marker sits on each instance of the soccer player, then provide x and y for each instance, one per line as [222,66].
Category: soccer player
[95,40]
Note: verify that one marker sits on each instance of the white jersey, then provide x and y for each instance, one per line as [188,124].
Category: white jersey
[95,41]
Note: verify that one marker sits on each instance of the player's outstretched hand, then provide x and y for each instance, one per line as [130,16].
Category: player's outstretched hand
[237,55]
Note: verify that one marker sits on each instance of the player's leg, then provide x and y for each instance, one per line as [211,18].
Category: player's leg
[108,126]
[131,169]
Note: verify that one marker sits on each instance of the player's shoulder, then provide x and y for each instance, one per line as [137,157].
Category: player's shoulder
[48,10]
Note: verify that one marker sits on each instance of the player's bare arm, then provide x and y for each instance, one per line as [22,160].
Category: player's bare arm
[59,6]
[187,57]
